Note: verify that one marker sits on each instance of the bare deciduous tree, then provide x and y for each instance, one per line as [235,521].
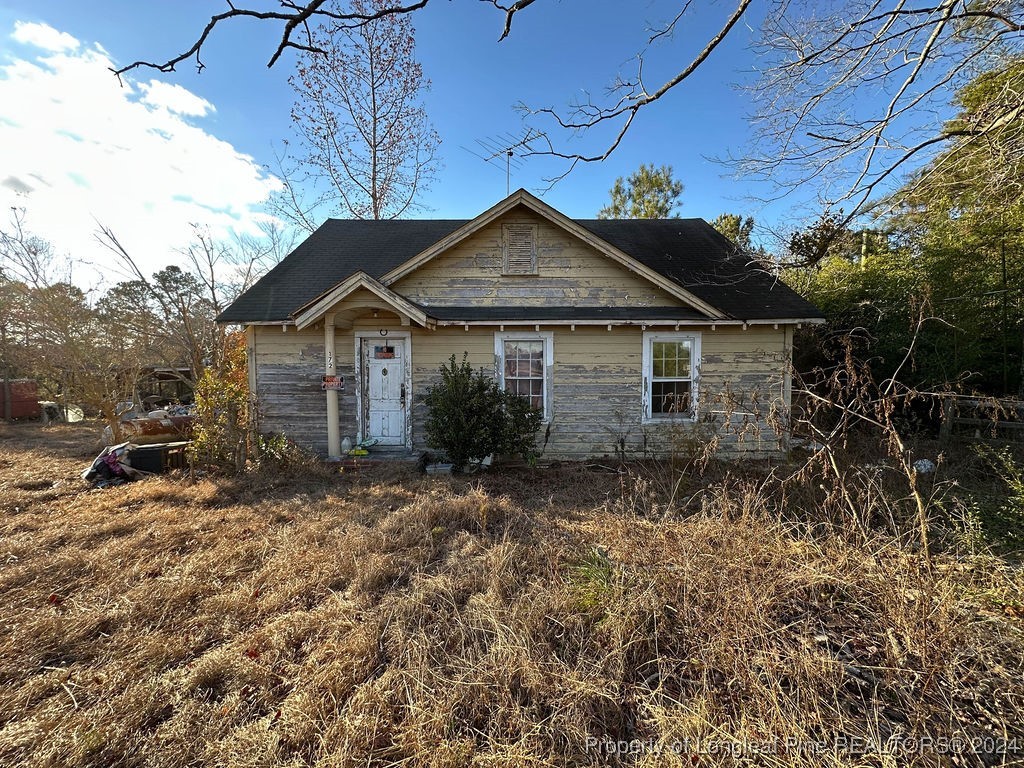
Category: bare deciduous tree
[51,331]
[25,257]
[853,96]
[171,314]
[365,145]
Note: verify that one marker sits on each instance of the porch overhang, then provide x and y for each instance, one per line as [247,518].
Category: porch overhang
[328,302]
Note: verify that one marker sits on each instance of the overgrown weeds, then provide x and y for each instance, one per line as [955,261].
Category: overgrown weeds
[527,618]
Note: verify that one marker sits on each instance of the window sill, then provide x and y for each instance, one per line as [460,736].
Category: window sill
[668,420]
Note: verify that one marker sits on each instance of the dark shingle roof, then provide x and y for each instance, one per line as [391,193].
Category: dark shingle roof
[694,255]
[690,252]
[338,249]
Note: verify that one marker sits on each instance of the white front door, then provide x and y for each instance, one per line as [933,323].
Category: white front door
[384,362]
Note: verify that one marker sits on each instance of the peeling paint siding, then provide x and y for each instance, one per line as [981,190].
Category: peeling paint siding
[289,396]
[597,407]
[570,272]
[596,386]
[743,393]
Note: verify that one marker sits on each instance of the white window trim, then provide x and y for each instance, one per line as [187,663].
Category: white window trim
[548,337]
[647,375]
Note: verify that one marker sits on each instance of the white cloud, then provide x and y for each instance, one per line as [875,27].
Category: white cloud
[77,148]
[43,36]
[174,98]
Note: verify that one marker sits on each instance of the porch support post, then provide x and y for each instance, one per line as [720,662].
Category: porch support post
[331,368]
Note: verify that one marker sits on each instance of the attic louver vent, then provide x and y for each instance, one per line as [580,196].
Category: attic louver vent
[520,249]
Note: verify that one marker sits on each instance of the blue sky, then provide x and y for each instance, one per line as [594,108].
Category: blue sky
[237,111]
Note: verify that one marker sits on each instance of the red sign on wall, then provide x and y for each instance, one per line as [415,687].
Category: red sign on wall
[332,382]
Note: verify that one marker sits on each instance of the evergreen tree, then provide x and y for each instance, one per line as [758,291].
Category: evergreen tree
[648,193]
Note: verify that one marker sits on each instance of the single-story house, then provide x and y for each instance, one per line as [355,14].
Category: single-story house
[629,335]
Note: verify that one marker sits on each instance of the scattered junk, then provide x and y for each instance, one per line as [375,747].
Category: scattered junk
[161,457]
[113,467]
[123,463]
[982,418]
[434,464]
[360,449]
[60,413]
[924,466]
[160,387]
[19,399]
[170,424]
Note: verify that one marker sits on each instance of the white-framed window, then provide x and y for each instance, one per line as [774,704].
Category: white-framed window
[670,375]
[523,361]
[519,249]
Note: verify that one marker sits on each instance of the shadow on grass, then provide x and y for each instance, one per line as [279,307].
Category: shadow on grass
[64,441]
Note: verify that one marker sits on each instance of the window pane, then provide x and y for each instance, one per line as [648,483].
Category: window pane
[670,359]
[524,370]
[670,397]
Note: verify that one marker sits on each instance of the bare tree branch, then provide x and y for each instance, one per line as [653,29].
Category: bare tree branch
[510,11]
[630,105]
[292,20]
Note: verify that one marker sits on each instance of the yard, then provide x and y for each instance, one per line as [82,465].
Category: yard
[302,616]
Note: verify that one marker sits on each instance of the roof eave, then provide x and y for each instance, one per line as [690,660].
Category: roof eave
[710,322]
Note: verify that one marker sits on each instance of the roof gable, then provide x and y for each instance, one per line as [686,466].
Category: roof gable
[565,271]
[523,198]
[315,309]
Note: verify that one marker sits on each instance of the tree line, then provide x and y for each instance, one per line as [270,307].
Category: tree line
[89,347]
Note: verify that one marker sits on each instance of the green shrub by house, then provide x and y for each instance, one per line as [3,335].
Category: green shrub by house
[470,417]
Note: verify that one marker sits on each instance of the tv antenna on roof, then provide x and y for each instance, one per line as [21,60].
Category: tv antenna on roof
[505,152]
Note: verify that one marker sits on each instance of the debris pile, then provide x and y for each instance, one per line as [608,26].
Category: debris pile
[119,464]
[113,467]
[172,423]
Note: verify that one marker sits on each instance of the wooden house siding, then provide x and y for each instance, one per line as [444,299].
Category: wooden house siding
[598,397]
[501,275]
[289,397]
[596,387]
[569,273]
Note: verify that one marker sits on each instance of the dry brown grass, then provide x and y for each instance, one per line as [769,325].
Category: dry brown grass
[384,618]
